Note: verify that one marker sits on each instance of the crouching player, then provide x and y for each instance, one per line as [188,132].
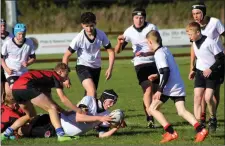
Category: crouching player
[96,115]
[171,86]
[28,91]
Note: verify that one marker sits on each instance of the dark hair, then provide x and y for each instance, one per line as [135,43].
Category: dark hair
[201,6]
[88,17]
[139,11]
[109,94]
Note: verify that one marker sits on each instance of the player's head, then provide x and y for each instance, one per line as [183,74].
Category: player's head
[153,37]
[88,22]
[3,25]
[108,98]
[139,16]
[198,11]
[62,70]
[194,31]
[20,31]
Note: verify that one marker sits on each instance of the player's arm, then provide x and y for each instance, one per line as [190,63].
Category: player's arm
[65,100]
[165,72]
[111,63]
[3,56]
[121,44]
[32,59]
[192,57]
[219,60]
[88,118]
[67,55]
[108,133]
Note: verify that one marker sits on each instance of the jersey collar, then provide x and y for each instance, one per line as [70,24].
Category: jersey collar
[91,40]
[200,41]
[13,39]
[141,28]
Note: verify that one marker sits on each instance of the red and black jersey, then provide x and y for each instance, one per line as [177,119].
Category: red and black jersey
[38,79]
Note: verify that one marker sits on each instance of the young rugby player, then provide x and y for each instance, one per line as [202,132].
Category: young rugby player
[28,91]
[96,115]
[171,86]
[87,45]
[144,62]
[210,59]
[5,35]
[212,28]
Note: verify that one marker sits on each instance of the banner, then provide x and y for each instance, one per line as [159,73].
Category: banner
[59,42]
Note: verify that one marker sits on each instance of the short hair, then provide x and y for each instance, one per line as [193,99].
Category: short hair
[194,26]
[61,66]
[155,36]
[88,17]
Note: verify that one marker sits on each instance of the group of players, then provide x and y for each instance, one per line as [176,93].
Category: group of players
[156,69]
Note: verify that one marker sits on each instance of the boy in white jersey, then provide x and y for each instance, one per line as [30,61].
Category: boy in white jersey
[87,45]
[97,115]
[212,28]
[171,86]
[210,59]
[144,62]
[5,35]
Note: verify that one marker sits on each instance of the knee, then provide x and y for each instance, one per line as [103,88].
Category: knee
[53,107]
[152,109]
[181,112]
[91,92]
[208,99]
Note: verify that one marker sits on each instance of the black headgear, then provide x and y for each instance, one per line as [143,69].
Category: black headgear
[139,12]
[108,94]
[3,21]
[200,6]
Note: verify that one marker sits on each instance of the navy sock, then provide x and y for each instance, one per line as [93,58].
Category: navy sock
[60,131]
[8,132]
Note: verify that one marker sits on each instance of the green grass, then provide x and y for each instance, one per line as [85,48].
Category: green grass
[124,82]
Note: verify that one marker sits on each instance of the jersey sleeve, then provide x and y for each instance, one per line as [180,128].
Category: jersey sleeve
[4,50]
[220,27]
[57,83]
[155,27]
[32,51]
[86,101]
[126,36]
[105,41]
[74,45]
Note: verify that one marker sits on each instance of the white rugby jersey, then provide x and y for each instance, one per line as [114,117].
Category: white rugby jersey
[16,55]
[213,30]
[175,85]
[206,53]
[139,42]
[88,53]
[72,128]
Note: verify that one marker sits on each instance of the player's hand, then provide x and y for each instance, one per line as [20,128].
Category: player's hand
[157,95]
[108,73]
[9,71]
[67,83]
[123,124]
[207,73]
[140,54]
[105,119]
[24,64]
[120,39]
[191,75]
[153,77]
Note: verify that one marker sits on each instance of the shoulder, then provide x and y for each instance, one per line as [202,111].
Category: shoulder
[100,32]
[129,29]
[29,41]
[151,26]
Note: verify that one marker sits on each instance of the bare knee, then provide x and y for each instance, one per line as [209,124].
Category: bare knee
[181,112]
[53,107]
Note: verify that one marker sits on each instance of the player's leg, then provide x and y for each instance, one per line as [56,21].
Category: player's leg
[198,94]
[154,110]
[85,77]
[211,108]
[3,81]
[47,104]
[181,110]
[147,94]
[216,96]
[203,112]
[8,87]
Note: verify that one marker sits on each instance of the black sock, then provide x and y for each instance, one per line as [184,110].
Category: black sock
[150,118]
[169,129]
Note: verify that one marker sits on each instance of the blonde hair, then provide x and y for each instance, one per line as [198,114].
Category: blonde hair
[154,36]
[61,66]
[193,26]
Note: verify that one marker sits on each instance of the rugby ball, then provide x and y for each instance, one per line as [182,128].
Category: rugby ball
[117,117]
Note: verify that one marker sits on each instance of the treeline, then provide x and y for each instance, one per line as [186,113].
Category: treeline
[55,16]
